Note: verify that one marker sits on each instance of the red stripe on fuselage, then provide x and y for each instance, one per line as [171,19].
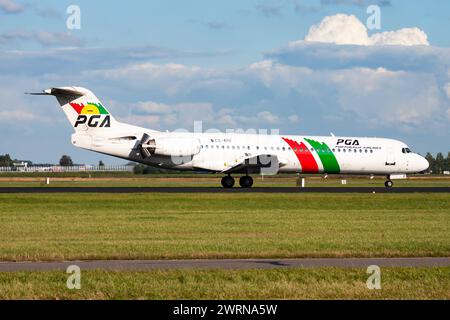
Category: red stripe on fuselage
[305,157]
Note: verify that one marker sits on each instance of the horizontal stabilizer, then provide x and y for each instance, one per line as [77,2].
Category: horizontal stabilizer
[66,91]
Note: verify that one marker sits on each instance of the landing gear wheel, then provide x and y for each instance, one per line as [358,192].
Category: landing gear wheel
[228,182]
[389,184]
[246,182]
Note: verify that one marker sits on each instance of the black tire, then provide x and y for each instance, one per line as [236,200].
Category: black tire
[228,182]
[246,182]
[388,184]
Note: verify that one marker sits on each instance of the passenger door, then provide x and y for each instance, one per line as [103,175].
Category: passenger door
[390,157]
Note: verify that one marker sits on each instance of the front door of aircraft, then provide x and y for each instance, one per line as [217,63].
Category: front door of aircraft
[390,157]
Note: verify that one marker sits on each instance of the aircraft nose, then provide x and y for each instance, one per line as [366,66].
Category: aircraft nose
[421,164]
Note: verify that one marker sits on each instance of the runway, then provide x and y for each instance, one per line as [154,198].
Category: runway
[228,264]
[222,190]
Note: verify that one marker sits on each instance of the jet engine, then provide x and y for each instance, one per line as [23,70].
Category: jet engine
[162,146]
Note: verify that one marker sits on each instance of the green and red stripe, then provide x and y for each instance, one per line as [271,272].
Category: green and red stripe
[327,157]
[307,160]
[304,156]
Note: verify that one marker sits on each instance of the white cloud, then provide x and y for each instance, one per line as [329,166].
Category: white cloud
[15,35]
[402,37]
[447,89]
[294,118]
[160,115]
[44,38]
[152,107]
[267,117]
[271,93]
[9,6]
[383,98]
[16,115]
[57,38]
[345,29]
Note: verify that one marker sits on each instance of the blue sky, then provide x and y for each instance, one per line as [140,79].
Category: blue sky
[231,64]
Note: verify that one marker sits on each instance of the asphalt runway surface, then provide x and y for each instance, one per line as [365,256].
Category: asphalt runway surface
[228,264]
[222,190]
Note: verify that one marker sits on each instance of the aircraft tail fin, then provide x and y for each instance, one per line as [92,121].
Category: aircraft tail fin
[83,109]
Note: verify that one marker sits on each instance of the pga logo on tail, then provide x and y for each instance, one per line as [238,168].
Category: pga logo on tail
[91,114]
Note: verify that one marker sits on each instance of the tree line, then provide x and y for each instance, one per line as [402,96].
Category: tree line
[65,161]
[438,164]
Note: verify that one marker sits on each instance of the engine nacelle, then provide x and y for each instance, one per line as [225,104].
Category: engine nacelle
[178,147]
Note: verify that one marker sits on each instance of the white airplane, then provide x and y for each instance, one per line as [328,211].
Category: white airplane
[231,153]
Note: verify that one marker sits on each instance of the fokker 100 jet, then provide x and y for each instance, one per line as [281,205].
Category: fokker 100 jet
[231,153]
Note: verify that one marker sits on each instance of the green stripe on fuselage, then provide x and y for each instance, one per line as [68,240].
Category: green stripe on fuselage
[329,161]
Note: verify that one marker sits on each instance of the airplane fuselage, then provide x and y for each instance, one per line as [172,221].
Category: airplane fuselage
[230,153]
[305,154]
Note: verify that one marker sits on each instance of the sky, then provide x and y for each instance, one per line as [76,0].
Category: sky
[302,67]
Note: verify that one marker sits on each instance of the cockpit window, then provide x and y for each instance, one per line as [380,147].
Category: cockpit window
[406,150]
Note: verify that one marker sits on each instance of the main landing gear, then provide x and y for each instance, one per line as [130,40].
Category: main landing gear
[228,182]
[244,182]
[388,183]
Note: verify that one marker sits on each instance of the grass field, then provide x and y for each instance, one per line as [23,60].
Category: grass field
[210,180]
[163,226]
[325,283]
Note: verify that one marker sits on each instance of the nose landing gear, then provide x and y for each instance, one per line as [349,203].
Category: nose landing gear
[388,183]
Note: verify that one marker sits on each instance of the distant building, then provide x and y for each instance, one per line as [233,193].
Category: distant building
[21,165]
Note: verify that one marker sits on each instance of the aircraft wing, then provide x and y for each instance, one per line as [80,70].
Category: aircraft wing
[263,163]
